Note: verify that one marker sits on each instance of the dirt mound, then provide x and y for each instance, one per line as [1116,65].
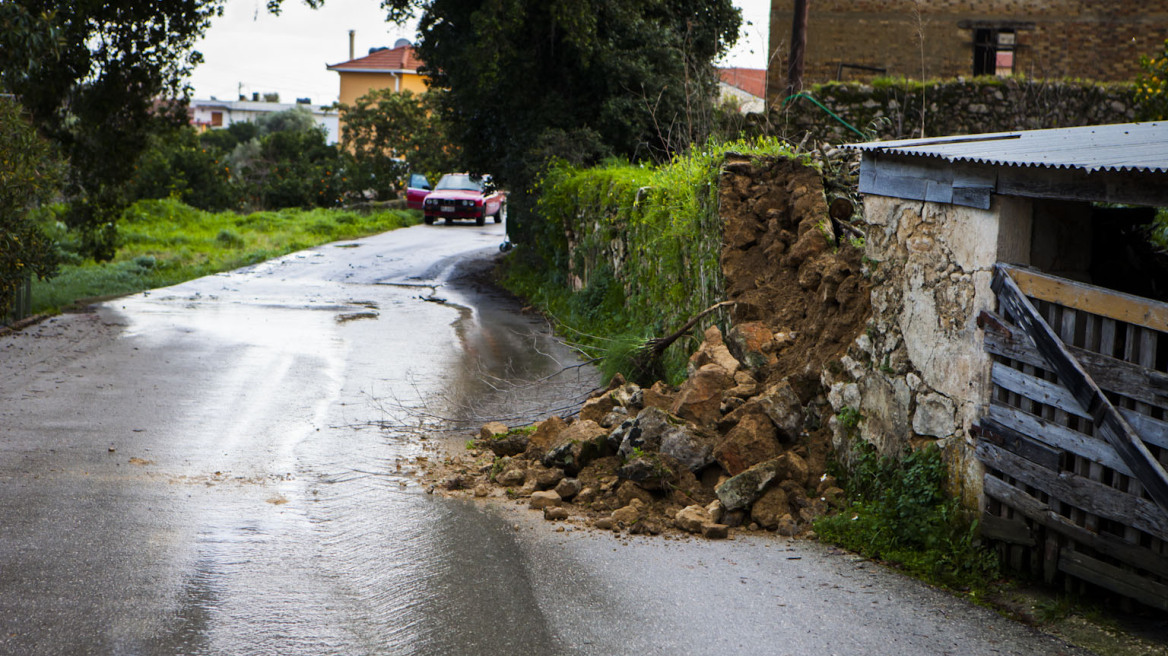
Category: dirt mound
[742,443]
[784,267]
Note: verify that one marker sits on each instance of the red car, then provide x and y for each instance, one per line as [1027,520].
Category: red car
[461,196]
[416,191]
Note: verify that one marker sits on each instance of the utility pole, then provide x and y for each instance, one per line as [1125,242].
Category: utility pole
[798,47]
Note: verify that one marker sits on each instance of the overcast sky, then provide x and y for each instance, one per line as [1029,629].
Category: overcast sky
[247,50]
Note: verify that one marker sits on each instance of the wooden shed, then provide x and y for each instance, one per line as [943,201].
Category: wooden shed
[1020,318]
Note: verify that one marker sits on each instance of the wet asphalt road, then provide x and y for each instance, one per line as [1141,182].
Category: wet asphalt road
[228,466]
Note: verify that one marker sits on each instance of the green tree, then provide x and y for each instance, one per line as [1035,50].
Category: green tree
[181,165]
[388,134]
[530,79]
[89,72]
[29,176]
[1152,86]
[288,164]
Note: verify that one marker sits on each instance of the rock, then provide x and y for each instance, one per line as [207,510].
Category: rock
[614,418]
[770,508]
[787,526]
[934,416]
[492,430]
[691,519]
[752,343]
[654,430]
[716,511]
[604,523]
[715,531]
[545,435]
[512,475]
[568,488]
[576,446]
[544,477]
[596,408]
[627,491]
[781,404]
[482,490]
[455,483]
[648,472]
[586,495]
[630,514]
[753,440]
[713,350]
[734,518]
[541,500]
[555,513]
[744,489]
[658,396]
[509,444]
[627,396]
[700,397]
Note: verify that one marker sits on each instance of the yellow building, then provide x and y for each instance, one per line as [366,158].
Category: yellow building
[383,68]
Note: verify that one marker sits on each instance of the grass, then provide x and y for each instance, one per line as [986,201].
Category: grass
[164,242]
[898,512]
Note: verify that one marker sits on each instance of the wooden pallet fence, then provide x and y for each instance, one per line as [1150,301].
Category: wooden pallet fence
[1075,439]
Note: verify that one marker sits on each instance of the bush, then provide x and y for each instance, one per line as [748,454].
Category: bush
[898,511]
[29,175]
[180,165]
[1152,86]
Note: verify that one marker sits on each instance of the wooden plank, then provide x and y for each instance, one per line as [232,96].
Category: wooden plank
[1013,531]
[1079,492]
[1151,430]
[1108,422]
[1089,298]
[1058,437]
[1036,510]
[1018,444]
[1113,578]
[1111,374]
[1036,389]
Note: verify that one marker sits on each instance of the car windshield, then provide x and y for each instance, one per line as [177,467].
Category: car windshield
[460,182]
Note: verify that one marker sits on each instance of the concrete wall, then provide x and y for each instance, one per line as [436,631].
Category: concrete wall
[919,372]
[922,39]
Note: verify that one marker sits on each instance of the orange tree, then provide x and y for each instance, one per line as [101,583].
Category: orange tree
[29,175]
[1152,86]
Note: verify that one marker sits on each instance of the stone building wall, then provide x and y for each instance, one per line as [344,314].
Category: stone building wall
[925,39]
[919,372]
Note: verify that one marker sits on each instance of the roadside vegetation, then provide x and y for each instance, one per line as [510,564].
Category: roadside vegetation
[898,511]
[165,242]
[664,270]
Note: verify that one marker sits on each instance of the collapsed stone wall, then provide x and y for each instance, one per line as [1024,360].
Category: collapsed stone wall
[743,442]
[893,110]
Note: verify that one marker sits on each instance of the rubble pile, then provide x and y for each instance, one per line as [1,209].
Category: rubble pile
[744,442]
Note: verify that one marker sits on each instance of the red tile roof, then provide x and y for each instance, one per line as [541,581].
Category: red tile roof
[390,59]
[750,80]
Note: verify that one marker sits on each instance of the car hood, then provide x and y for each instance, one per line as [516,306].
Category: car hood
[454,194]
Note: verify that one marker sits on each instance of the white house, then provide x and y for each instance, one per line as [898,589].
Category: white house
[214,114]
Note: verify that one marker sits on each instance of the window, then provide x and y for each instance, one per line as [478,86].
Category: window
[993,51]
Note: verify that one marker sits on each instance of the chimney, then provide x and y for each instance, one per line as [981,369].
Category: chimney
[352,36]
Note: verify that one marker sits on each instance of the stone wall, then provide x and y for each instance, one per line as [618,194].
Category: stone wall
[893,110]
[919,372]
[926,39]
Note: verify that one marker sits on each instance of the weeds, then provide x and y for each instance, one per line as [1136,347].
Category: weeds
[898,511]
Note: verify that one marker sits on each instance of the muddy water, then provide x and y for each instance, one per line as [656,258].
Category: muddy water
[218,477]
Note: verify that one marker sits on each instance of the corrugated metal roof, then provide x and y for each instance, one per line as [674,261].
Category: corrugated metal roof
[1122,147]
